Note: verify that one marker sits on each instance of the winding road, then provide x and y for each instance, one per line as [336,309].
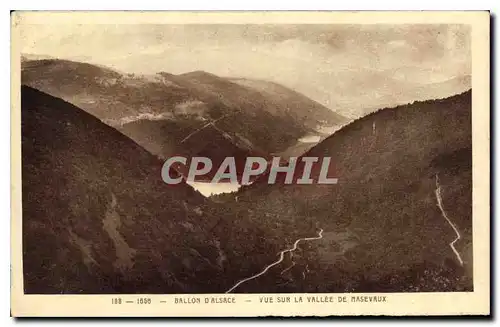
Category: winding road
[281,257]
[440,205]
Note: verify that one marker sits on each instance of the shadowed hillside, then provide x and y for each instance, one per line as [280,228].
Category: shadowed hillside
[383,228]
[97,218]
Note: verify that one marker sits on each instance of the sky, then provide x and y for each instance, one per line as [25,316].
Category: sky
[352,69]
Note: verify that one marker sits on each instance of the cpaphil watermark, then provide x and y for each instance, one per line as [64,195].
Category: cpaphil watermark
[294,170]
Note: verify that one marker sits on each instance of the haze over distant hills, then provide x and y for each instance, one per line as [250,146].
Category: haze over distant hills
[290,102]
[396,90]
[351,69]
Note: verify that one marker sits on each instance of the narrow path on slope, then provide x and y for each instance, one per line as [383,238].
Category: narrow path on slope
[287,269]
[281,257]
[440,205]
[203,127]
[293,264]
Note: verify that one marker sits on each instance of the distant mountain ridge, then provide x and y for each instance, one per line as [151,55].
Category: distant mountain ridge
[392,91]
[193,114]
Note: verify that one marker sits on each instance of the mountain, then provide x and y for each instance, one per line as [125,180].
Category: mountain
[283,101]
[402,172]
[389,88]
[247,107]
[289,102]
[97,218]
[438,89]
[165,113]
[265,96]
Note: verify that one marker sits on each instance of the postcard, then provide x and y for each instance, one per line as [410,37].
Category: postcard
[242,164]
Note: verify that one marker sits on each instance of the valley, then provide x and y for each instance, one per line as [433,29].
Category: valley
[97,217]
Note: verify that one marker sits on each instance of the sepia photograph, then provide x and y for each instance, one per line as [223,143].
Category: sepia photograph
[314,162]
